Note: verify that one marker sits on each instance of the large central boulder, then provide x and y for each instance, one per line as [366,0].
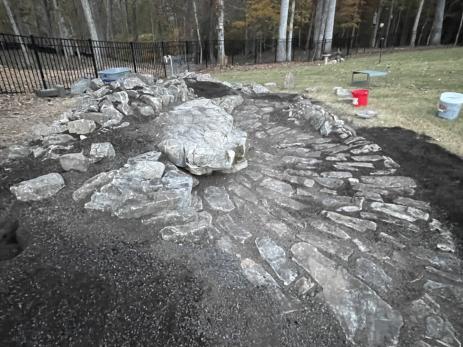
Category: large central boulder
[199,136]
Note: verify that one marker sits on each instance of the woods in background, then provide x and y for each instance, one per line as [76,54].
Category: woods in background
[310,23]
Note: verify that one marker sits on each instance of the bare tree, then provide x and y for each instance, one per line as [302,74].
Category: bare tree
[321,30]
[198,32]
[289,50]
[220,33]
[459,29]
[330,25]
[415,24]
[389,22]
[62,28]
[109,20]
[378,20]
[438,22]
[91,26]
[16,31]
[281,46]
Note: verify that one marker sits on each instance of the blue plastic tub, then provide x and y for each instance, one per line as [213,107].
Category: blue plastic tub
[113,74]
[450,105]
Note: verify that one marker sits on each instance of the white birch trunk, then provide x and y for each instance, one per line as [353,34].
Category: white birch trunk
[330,26]
[416,23]
[438,22]
[91,26]
[289,50]
[321,34]
[281,46]
[16,31]
[459,30]
[198,33]
[221,33]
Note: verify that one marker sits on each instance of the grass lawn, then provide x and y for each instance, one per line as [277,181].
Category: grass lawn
[407,98]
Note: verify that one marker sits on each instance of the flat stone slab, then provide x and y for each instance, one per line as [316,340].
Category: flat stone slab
[335,247]
[278,186]
[275,256]
[351,222]
[218,199]
[74,161]
[194,231]
[227,224]
[409,214]
[38,188]
[365,317]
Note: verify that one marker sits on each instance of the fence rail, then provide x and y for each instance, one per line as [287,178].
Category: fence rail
[29,63]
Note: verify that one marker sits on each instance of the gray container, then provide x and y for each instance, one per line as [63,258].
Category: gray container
[113,74]
[450,105]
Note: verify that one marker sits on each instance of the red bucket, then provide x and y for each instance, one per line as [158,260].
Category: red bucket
[362,97]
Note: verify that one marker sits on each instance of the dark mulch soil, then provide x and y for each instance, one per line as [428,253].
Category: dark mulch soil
[438,172]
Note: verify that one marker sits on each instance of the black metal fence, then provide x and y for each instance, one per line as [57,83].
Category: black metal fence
[29,63]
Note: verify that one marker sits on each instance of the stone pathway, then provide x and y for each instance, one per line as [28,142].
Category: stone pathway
[327,216]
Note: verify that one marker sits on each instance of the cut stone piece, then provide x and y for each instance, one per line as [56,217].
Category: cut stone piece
[426,313]
[254,175]
[374,157]
[227,246]
[353,166]
[373,275]
[18,151]
[329,228]
[336,174]
[227,224]
[410,214]
[365,317]
[74,161]
[243,192]
[229,102]
[170,218]
[391,239]
[38,188]
[366,149]
[332,183]
[81,126]
[421,205]
[218,199]
[99,151]
[351,222]
[192,232]
[275,256]
[334,247]
[92,184]
[256,275]
[304,286]
[57,139]
[281,200]
[278,186]
[394,182]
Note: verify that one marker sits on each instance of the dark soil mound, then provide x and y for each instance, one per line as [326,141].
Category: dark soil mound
[210,90]
[438,172]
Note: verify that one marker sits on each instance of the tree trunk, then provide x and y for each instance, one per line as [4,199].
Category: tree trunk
[289,50]
[330,26]
[220,33]
[415,24]
[16,31]
[211,32]
[396,26]
[438,22]
[62,29]
[91,26]
[198,33]
[459,30]
[109,20]
[378,20]
[48,19]
[281,47]
[309,34]
[418,42]
[134,21]
[389,21]
[319,48]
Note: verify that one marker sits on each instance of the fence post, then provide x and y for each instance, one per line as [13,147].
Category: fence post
[90,42]
[132,49]
[39,63]
[163,61]
[186,55]
[255,51]
[276,45]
